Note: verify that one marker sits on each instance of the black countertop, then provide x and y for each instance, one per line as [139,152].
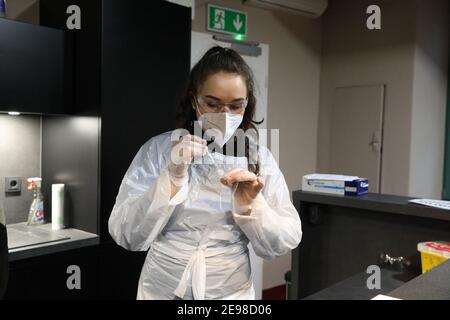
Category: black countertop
[355,287]
[432,285]
[70,239]
[374,202]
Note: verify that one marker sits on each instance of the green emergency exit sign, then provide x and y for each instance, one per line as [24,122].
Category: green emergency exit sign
[225,20]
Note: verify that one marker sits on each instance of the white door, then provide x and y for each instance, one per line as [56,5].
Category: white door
[200,43]
[357,133]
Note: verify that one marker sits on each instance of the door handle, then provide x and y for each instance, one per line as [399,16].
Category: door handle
[376,142]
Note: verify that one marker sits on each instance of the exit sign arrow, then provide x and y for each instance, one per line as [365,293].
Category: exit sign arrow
[226,20]
[237,23]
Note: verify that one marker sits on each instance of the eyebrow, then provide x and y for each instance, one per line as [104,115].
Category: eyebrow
[217,99]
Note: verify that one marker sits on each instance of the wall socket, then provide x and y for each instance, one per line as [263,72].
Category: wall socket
[13,185]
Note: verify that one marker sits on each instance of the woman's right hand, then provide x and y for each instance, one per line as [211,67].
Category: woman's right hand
[182,154]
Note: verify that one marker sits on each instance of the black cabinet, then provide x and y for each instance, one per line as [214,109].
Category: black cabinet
[47,277]
[35,69]
[145,63]
[119,272]
[131,62]
[87,46]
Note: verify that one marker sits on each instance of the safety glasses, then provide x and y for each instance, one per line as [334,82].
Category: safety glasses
[213,105]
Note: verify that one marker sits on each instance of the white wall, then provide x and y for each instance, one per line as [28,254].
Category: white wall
[293,97]
[429,99]
[353,55]
[410,55]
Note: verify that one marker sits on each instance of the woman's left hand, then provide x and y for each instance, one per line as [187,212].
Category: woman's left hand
[248,187]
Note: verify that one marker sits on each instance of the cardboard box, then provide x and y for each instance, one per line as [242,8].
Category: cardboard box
[335,184]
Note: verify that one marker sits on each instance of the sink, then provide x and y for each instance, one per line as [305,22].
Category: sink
[20,235]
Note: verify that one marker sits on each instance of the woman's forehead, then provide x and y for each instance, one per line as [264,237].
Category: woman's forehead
[223,85]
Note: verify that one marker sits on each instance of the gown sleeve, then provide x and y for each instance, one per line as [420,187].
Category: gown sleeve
[274,226]
[143,205]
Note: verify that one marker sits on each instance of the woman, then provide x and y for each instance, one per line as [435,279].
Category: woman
[194,204]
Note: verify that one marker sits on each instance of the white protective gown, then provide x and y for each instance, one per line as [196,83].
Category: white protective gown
[197,246]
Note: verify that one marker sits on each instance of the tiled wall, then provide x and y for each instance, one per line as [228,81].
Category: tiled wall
[20,156]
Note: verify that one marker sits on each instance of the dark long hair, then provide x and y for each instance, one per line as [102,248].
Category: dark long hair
[218,59]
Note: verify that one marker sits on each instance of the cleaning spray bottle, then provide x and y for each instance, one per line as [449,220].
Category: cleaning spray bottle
[36,214]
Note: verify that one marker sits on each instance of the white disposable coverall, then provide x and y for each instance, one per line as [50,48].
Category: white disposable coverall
[197,247]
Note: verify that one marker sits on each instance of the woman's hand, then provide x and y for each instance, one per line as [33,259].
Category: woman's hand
[181,156]
[247,186]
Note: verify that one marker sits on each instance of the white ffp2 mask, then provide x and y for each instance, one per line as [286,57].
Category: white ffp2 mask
[221,126]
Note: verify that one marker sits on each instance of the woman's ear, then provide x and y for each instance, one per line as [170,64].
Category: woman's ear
[193,102]
[194,106]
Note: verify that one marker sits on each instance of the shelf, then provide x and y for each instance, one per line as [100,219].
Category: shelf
[32,241]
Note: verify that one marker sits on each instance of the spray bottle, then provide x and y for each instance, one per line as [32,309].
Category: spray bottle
[36,214]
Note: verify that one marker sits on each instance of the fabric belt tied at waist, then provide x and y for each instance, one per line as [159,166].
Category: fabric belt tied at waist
[196,272]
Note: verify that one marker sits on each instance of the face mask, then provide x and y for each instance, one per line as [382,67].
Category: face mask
[221,126]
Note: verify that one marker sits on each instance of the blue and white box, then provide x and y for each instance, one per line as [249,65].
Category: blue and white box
[335,184]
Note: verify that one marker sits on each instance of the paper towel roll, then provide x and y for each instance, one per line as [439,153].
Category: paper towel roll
[58,206]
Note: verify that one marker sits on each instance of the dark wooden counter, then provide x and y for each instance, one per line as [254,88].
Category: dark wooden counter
[432,285]
[343,235]
[375,202]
